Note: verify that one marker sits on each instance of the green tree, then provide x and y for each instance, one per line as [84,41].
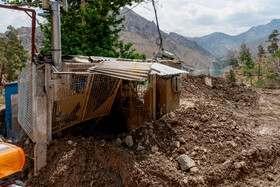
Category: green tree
[247,61]
[231,77]
[244,54]
[13,56]
[261,54]
[232,60]
[273,40]
[89,28]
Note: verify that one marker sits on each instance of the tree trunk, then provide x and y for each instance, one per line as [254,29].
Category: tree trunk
[259,71]
[83,3]
[1,74]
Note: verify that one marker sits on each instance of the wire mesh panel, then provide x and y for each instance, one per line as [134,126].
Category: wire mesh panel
[102,94]
[80,97]
[137,98]
[69,101]
[25,101]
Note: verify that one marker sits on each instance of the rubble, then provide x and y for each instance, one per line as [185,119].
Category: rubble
[118,141]
[176,144]
[185,162]
[239,165]
[223,148]
[129,141]
[154,149]
[140,148]
[70,142]
[194,170]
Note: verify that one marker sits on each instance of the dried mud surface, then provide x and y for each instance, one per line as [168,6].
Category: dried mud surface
[232,134]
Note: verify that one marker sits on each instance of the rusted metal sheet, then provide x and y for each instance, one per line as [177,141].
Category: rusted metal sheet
[162,70]
[135,71]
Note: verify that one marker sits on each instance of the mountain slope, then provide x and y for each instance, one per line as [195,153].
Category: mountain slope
[143,33]
[190,44]
[220,43]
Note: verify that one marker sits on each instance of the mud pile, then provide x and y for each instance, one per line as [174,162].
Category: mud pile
[224,150]
[221,91]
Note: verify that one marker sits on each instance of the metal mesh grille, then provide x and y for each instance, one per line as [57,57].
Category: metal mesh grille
[103,90]
[136,97]
[25,101]
[81,97]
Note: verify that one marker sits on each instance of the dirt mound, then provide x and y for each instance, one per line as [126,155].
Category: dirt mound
[222,91]
[210,132]
[219,143]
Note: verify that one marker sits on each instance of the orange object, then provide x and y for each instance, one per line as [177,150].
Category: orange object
[12,159]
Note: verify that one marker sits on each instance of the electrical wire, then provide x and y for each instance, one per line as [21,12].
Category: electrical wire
[130,9]
[159,39]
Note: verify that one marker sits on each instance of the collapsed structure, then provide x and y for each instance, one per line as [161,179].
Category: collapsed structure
[64,91]
[50,101]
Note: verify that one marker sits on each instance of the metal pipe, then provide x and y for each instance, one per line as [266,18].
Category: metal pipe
[56,34]
[33,35]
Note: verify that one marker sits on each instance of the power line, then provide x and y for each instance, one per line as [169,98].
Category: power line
[159,39]
[130,9]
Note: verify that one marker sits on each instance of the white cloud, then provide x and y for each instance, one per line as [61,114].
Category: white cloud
[188,17]
[197,18]
[15,18]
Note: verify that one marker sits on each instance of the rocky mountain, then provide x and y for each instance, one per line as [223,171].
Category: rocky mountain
[143,33]
[25,36]
[219,43]
[190,44]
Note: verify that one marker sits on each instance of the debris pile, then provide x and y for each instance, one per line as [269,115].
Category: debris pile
[202,145]
[219,90]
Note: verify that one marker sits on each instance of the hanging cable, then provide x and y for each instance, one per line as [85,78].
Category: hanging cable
[159,39]
[131,9]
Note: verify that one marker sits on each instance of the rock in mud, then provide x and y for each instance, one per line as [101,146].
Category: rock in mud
[176,144]
[182,140]
[185,162]
[26,141]
[182,150]
[208,82]
[239,165]
[70,142]
[196,126]
[140,148]
[194,170]
[155,149]
[118,141]
[232,143]
[129,141]
[204,118]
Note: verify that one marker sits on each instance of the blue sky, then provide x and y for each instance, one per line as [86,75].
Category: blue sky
[189,17]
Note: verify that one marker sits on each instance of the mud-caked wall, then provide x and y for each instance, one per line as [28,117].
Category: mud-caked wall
[167,99]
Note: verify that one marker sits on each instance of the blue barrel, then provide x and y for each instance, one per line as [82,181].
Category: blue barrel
[10,89]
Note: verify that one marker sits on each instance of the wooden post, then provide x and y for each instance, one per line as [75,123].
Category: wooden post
[49,92]
[40,122]
[154,86]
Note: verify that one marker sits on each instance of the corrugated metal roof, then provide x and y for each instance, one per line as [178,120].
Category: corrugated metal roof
[162,70]
[135,71]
